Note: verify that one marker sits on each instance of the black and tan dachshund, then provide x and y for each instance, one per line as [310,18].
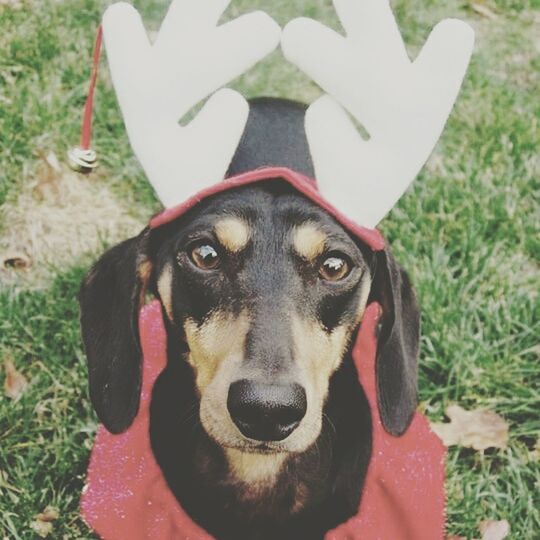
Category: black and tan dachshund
[258,423]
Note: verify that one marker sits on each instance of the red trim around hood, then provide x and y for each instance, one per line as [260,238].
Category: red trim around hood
[304,184]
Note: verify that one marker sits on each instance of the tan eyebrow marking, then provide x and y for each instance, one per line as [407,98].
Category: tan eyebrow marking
[308,241]
[233,233]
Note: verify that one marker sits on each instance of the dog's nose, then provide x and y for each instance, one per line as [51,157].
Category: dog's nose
[266,412]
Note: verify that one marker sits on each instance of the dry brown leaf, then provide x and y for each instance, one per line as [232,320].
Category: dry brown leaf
[494,530]
[478,429]
[15,383]
[52,161]
[42,523]
[13,4]
[535,452]
[483,10]
[455,537]
[49,514]
[42,528]
[16,261]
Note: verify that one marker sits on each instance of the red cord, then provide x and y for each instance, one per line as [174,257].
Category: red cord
[86,131]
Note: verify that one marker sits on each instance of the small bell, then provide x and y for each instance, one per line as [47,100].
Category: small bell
[82,160]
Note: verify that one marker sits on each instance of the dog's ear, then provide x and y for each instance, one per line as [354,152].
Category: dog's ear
[398,343]
[110,298]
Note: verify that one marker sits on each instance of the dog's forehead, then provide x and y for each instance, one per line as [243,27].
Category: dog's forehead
[257,211]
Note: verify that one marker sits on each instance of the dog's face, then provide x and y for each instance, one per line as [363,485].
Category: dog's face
[262,290]
[266,290]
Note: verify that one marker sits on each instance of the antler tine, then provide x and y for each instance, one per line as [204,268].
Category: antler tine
[403,105]
[157,84]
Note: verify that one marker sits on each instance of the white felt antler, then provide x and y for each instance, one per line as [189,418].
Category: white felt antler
[403,105]
[158,84]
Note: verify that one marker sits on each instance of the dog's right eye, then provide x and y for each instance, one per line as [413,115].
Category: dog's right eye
[334,268]
[205,256]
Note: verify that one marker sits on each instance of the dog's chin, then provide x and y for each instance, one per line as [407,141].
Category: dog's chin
[256,447]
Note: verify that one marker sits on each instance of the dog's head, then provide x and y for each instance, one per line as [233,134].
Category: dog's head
[265,291]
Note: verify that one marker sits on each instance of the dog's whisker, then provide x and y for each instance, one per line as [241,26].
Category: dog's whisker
[328,420]
[193,410]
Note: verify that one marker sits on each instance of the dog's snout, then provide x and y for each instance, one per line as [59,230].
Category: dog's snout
[266,412]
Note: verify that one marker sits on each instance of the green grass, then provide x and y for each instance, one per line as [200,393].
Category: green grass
[467,232]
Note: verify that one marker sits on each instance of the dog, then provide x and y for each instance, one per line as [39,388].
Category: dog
[258,422]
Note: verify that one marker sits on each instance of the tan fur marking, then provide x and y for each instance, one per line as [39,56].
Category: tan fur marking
[252,468]
[300,499]
[144,271]
[165,289]
[232,233]
[222,336]
[164,286]
[318,352]
[365,289]
[308,241]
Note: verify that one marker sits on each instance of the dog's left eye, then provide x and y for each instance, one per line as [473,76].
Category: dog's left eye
[205,257]
[334,268]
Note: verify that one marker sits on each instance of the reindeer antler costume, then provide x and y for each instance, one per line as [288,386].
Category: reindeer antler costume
[403,105]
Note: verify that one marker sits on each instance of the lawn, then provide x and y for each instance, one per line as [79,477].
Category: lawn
[467,231]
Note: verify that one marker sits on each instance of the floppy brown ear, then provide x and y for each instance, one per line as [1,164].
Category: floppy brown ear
[398,344]
[110,298]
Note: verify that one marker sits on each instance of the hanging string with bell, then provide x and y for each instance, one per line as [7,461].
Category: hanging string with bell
[82,158]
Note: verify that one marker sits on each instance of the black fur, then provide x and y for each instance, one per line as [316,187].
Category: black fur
[110,298]
[398,342]
[331,472]
[274,136]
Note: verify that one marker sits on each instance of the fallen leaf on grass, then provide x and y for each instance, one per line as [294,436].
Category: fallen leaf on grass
[494,530]
[479,429]
[42,528]
[14,4]
[491,530]
[535,452]
[15,383]
[42,523]
[483,10]
[16,261]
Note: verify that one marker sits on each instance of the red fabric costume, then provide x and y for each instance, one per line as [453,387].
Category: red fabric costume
[126,496]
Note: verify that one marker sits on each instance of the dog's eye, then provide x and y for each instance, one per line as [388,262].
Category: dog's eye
[334,268]
[205,256]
